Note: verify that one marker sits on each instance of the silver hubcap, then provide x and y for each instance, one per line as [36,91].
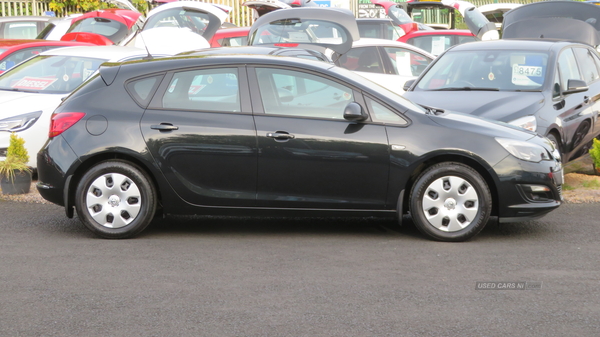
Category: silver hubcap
[450,203]
[113,200]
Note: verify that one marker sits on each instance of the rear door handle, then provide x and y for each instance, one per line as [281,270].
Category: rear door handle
[280,135]
[164,127]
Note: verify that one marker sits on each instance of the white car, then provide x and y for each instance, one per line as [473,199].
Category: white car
[31,91]
[386,62]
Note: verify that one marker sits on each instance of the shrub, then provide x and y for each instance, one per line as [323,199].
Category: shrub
[595,153]
[16,158]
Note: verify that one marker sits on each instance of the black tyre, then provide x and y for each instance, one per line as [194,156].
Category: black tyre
[115,200]
[554,140]
[450,202]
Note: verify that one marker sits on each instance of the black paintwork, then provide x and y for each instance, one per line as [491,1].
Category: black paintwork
[561,115]
[227,163]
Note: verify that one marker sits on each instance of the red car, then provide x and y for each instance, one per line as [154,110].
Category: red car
[438,40]
[226,37]
[13,52]
[104,27]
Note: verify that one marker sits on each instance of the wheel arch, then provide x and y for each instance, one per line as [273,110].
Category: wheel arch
[458,158]
[101,157]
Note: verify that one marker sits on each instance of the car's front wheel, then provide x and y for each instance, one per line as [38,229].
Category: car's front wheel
[450,202]
[115,200]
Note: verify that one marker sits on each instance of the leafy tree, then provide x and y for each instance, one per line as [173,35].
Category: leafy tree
[60,6]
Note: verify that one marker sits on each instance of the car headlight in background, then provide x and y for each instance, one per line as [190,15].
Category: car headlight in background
[527,122]
[20,122]
[524,150]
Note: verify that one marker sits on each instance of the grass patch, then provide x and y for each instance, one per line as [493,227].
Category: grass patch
[567,187]
[591,184]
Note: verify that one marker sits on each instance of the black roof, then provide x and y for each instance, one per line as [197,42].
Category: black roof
[521,44]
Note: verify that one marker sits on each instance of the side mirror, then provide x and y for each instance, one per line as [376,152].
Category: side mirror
[408,84]
[574,86]
[354,112]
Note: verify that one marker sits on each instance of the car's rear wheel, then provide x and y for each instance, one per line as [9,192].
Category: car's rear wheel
[450,202]
[115,200]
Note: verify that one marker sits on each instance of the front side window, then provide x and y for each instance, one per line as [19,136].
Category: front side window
[567,66]
[295,93]
[406,62]
[382,114]
[587,64]
[492,70]
[204,90]
[50,74]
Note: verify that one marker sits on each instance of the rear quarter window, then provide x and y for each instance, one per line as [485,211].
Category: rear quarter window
[142,89]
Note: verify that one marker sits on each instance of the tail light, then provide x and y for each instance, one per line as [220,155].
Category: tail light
[62,121]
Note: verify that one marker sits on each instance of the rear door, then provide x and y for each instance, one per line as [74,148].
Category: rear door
[200,130]
[309,155]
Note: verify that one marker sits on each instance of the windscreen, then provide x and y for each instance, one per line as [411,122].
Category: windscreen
[113,30]
[50,74]
[300,31]
[495,70]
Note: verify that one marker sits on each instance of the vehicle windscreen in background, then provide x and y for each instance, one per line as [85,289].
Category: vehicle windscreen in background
[50,74]
[437,44]
[300,31]
[205,24]
[113,30]
[399,15]
[2,50]
[502,70]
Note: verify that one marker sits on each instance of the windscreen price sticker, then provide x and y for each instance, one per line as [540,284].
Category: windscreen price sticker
[34,83]
[527,70]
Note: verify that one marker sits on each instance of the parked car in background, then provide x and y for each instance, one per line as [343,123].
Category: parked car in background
[262,134]
[13,52]
[437,41]
[494,12]
[550,87]
[57,27]
[22,27]
[334,33]
[30,91]
[379,28]
[104,27]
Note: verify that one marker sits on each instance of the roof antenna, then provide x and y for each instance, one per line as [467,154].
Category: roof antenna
[149,57]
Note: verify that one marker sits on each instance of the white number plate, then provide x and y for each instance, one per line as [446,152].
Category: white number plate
[527,70]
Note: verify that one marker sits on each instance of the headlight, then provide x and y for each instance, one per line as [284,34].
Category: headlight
[527,122]
[20,122]
[524,150]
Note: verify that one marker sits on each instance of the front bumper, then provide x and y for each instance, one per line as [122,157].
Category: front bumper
[526,190]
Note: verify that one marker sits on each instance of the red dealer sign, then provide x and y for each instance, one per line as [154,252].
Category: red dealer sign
[34,83]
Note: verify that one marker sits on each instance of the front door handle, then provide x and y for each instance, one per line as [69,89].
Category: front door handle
[164,127]
[586,99]
[280,135]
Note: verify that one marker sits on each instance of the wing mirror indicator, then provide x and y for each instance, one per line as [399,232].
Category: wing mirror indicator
[354,112]
[574,86]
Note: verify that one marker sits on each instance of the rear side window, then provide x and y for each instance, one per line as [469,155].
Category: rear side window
[204,90]
[141,90]
[20,30]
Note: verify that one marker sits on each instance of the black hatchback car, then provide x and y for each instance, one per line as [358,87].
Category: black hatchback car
[268,135]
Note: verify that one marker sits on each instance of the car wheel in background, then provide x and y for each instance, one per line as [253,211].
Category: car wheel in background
[450,202]
[115,200]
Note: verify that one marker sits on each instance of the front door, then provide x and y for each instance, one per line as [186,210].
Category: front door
[309,155]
